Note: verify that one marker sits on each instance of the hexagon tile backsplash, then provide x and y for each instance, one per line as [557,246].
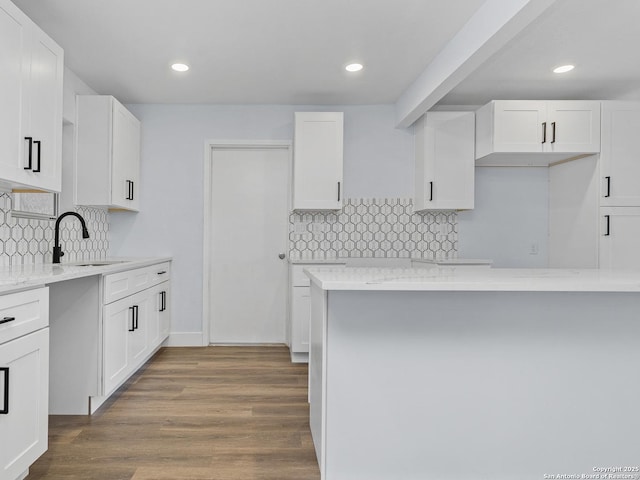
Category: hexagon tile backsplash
[380,228]
[26,241]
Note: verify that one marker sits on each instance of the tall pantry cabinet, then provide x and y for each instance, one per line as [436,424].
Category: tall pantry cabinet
[32,67]
[595,202]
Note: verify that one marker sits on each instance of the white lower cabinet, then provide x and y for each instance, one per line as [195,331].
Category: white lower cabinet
[24,381]
[159,320]
[133,328]
[103,329]
[300,310]
[300,314]
[126,338]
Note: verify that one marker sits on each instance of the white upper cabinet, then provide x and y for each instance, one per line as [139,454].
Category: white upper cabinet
[445,166]
[620,156]
[317,161]
[533,132]
[31,116]
[108,153]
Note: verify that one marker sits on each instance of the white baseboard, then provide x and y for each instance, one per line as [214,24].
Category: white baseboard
[185,339]
[297,357]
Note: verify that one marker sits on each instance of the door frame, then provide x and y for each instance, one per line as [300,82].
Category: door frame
[209,147]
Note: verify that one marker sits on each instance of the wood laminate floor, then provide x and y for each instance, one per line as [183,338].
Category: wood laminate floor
[213,413]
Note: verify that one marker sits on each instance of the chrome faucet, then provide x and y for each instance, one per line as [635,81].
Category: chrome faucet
[57,249]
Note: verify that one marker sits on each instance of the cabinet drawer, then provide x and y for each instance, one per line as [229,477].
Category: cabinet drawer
[160,273]
[29,311]
[122,284]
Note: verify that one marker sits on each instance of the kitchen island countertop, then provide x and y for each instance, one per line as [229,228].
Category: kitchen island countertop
[473,278]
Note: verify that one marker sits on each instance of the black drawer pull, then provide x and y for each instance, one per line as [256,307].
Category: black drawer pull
[5,404]
[162,272]
[7,320]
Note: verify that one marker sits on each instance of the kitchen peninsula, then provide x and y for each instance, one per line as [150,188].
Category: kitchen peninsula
[466,373]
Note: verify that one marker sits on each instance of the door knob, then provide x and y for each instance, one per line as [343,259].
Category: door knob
[281,256]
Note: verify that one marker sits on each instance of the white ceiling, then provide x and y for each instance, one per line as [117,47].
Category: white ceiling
[250,51]
[600,37]
[294,51]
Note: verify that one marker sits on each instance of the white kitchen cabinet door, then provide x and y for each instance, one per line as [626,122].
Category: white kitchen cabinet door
[445,166]
[24,378]
[31,115]
[164,309]
[126,158]
[108,154]
[573,126]
[139,340]
[619,234]
[118,324]
[317,161]
[536,132]
[519,125]
[620,156]
[159,314]
[300,318]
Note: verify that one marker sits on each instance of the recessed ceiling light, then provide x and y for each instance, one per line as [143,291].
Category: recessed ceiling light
[353,67]
[563,69]
[180,67]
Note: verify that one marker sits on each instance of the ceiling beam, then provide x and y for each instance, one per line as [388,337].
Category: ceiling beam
[494,24]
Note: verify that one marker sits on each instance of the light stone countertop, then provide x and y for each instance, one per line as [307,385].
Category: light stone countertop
[24,277]
[472,278]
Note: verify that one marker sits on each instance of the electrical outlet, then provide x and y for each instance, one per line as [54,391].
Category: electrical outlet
[533,248]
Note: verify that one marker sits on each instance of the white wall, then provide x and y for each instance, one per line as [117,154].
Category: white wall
[511,214]
[73,86]
[378,163]
[511,203]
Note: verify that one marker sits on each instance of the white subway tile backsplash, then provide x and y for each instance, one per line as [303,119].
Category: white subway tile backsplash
[381,228]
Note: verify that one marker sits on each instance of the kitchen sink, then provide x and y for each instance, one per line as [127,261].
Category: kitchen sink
[97,263]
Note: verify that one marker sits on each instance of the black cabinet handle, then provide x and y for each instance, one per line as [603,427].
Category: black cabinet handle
[7,320]
[162,272]
[553,132]
[28,167]
[608,186]
[431,191]
[133,318]
[37,169]
[163,301]
[5,404]
[544,132]
[338,191]
[608,230]
[129,190]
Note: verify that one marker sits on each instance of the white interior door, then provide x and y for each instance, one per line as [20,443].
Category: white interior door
[249,221]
